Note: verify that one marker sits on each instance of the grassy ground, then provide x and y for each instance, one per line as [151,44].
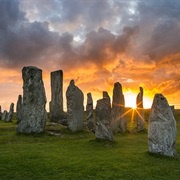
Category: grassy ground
[80,156]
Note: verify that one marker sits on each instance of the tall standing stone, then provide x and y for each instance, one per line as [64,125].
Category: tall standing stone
[162,128]
[140,110]
[103,119]
[0,113]
[56,105]
[10,114]
[75,107]
[4,115]
[33,119]
[89,113]
[19,109]
[118,109]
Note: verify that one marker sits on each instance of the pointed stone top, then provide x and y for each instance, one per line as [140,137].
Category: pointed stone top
[72,83]
[160,102]
[141,90]
[105,94]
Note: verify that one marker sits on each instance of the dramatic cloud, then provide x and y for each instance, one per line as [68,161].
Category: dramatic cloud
[95,42]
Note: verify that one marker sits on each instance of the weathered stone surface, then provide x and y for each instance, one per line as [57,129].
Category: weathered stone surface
[103,119]
[0,113]
[162,128]
[75,107]
[89,113]
[56,104]
[140,110]
[34,114]
[119,122]
[4,115]
[19,108]
[10,114]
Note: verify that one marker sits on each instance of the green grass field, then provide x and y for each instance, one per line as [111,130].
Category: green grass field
[80,156]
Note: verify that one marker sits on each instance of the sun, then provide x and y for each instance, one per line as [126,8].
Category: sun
[130,100]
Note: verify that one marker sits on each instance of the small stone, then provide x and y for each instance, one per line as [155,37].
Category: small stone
[75,107]
[140,111]
[162,128]
[10,114]
[4,115]
[19,109]
[103,119]
[89,113]
[33,119]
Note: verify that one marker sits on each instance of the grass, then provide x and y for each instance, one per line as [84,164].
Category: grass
[80,156]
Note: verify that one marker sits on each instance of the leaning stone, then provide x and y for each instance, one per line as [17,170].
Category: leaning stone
[89,113]
[140,111]
[56,104]
[103,118]
[4,115]
[162,128]
[19,109]
[33,119]
[10,114]
[75,107]
[119,122]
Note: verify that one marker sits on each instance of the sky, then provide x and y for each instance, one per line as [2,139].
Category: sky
[94,42]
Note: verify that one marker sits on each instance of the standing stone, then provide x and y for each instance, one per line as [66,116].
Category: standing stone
[10,114]
[75,107]
[103,119]
[33,117]
[4,115]
[172,108]
[89,113]
[56,105]
[162,128]
[19,109]
[0,113]
[140,110]
[119,122]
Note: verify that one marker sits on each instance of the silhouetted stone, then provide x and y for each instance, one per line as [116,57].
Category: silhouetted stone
[89,113]
[162,128]
[103,119]
[56,105]
[140,110]
[4,115]
[118,120]
[33,119]
[75,108]
[10,114]
[19,109]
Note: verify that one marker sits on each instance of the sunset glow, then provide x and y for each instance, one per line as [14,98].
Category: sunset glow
[96,43]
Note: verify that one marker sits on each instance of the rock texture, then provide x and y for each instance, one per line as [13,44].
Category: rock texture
[89,113]
[75,107]
[162,128]
[4,115]
[10,114]
[56,105]
[34,114]
[19,109]
[119,122]
[103,119]
[140,110]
